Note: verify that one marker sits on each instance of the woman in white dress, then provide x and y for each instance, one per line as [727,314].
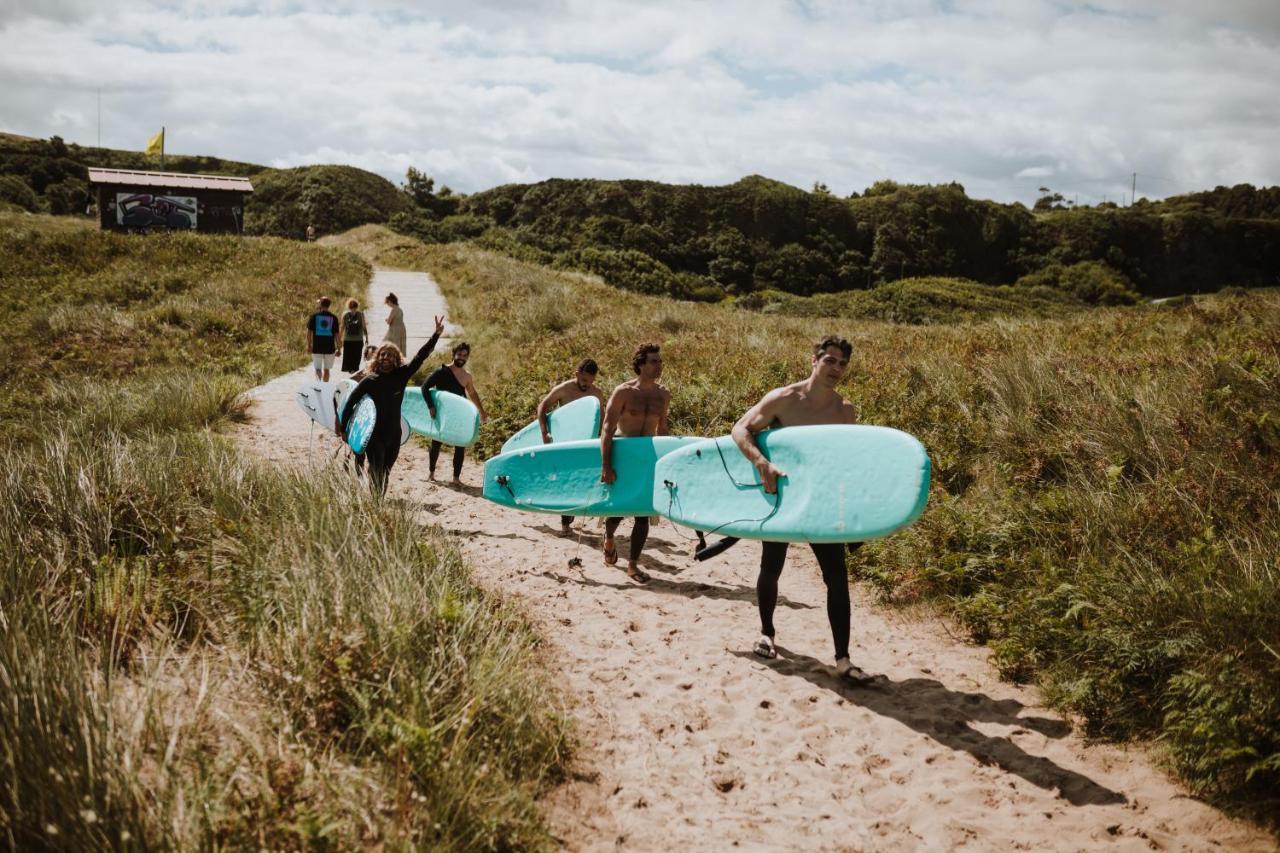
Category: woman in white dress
[396,332]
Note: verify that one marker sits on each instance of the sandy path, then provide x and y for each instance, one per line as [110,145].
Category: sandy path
[691,740]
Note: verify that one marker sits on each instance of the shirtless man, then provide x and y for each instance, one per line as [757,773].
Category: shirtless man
[812,401]
[637,407]
[582,384]
[452,378]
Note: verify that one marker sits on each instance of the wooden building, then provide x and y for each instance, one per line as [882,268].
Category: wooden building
[152,201]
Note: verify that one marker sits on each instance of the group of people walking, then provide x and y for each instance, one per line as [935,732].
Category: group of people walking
[327,335]
[639,406]
[383,377]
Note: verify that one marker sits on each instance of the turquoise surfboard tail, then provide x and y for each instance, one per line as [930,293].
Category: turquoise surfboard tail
[457,420]
[564,477]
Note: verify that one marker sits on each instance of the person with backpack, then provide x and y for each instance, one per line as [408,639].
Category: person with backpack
[354,335]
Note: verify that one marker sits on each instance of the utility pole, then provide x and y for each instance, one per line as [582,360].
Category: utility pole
[99,116]
[1133,192]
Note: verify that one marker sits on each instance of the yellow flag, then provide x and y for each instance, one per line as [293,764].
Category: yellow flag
[155,145]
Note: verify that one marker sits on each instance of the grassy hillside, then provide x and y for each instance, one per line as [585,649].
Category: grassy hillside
[707,243]
[1104,511]
[199,651]
[86,305]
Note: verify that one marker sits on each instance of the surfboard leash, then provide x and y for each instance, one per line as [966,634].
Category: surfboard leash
[708,551]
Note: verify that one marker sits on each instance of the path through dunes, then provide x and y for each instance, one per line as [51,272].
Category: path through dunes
[689,739]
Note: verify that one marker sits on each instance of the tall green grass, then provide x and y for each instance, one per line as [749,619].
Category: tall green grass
[1104,511]
[198,651]
[86,303]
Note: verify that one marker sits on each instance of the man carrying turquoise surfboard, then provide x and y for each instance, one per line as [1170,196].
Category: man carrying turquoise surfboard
[583,384]
[812,401]
[452,378]
[637,407]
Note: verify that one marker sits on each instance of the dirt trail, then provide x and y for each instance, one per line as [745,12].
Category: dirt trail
[692,740]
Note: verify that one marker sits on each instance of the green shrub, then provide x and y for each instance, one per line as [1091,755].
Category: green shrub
[625,268]
[15,191]
[1088,281]
[331,198]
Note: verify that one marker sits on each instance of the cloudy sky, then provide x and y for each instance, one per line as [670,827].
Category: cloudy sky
[1004,96]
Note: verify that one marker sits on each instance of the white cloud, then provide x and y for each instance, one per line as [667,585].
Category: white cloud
[1035,172]
[994,94]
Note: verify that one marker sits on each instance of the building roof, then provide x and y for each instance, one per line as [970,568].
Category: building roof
[174,180]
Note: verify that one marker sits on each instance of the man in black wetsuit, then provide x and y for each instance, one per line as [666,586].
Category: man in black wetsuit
[811,401]
[452,378]
[385,385]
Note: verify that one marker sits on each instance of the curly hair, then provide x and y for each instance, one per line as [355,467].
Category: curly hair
[819,347]
[641,355]
[387,358]
[460,346]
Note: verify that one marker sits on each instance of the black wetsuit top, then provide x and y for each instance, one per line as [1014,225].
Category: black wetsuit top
[387,391]
[444,379]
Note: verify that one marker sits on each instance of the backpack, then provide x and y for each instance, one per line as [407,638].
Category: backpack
[354,324]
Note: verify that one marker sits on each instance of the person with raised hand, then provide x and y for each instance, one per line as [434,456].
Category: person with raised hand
[385,384]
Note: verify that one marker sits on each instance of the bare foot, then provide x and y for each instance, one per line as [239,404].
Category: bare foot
[636,574]
[431,475]
[457,481]
[610,553]
[566,531]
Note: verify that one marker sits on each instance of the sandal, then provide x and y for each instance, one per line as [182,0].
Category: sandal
[850,674]
[764,648]
[637,574]
[611,556]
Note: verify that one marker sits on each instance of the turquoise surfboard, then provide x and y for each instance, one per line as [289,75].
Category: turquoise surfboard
[571,422]
[564,477]
[363,420]
[345,387]
[846,483]
[457,421]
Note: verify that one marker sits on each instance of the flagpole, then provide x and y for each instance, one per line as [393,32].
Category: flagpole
[162,148]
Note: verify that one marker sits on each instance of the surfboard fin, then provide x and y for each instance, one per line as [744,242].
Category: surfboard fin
[715,548]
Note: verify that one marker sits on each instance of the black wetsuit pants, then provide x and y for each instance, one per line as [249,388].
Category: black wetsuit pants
[434,453]
[773,555]
[639,533]
[381,456]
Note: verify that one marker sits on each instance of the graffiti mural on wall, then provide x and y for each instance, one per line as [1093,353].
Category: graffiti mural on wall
[144,210]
